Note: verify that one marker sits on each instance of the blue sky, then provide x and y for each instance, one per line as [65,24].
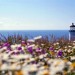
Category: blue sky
[36,14]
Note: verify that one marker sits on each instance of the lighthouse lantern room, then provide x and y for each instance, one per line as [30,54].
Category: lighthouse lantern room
[72,27]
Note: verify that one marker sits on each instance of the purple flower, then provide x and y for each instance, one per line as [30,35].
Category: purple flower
[16,53]
[0,47]
[23,42]
[51,48]
[22,52]
[38,50]
[9,49]
[30,49]
[33,62]
[60,53]
[19,48]
[6,44]
[43,51]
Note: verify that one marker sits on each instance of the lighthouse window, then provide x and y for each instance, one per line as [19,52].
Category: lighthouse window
[72,28]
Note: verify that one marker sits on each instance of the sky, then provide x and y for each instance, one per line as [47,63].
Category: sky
[36,14]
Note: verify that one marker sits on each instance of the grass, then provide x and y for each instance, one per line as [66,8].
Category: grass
[71,74]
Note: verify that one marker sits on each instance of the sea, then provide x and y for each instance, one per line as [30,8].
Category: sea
[34,33]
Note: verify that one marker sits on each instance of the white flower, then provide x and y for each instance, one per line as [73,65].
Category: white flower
[10,52]
[4,67]
[23,48]
[17,56]
[33,67]
[20,56]
[43,72]
[74,41]
[41,56]
[42,68]
[45,55]
[15,50]
[65,50]
[72,58]
[24,72]
[30,40]
[13,46]
[14,66]
[57,43]
[1,50]
[42,44]
[57,66]
[32,59]
[50,61]
[29,68]
[12,60]
[31,45]
[4,48]
[65,47]
[69,46]
[27,56]
[69,51]
[5,56]
[18,45]
[73,47]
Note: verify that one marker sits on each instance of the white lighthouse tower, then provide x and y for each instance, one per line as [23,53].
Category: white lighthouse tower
[72,32]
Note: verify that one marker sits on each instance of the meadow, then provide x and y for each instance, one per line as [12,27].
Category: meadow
[37,56]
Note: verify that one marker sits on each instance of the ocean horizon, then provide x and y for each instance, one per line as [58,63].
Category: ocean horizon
[34,33]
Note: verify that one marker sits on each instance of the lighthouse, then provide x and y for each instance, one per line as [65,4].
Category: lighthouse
[72,32]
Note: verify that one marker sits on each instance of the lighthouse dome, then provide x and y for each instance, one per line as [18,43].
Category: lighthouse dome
[72,27]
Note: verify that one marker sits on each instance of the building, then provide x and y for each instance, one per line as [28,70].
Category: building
[72,32]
